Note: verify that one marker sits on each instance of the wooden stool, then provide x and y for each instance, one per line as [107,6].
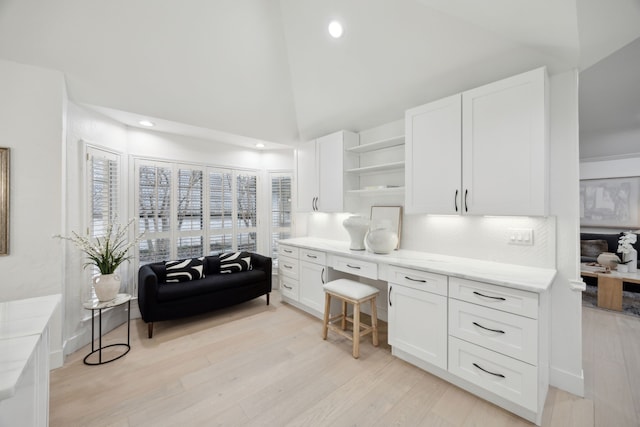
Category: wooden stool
[356,293]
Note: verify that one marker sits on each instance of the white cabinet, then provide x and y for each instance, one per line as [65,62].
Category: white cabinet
[312,277]
[498,340]
[482,152]
[320,172]
[418,320]
[433,153]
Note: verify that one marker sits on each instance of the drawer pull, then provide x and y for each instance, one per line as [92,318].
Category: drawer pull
[488,372]
[488,329]
[353,266]
[415,280]
[288,251]
[287,266]
[489,296]
[311,256]
[390,304]
[288,287]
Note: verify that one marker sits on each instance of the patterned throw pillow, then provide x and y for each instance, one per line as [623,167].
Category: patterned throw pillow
[185,270]
[234,262]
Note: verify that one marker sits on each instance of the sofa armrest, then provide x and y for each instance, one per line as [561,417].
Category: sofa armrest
[147,288]
[261,262]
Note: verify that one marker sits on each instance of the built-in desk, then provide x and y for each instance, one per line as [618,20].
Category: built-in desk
[481,325]
[24,360]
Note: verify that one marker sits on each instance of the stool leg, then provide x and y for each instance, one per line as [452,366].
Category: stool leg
[325,323]
[356,330]
[344,315]
[374,322]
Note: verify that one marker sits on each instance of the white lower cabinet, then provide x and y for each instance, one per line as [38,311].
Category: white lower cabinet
[505,376]
[417,323]
[312,277]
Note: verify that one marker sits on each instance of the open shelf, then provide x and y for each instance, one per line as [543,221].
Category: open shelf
[377,145]
[387,190]
[377,168]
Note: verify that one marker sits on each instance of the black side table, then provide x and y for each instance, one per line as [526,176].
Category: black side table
[98,306]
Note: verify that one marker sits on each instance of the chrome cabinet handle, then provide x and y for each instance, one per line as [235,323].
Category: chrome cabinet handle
[415,280]
[488,372]
[311,256]
[353,266]
[390,304]
[287,266]
[488,329]
[288,251]
[455,200]
[322,276]
[489,296]
[288,287]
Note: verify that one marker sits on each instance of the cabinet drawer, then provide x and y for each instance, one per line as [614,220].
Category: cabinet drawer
[315,257]
[357,267]
[506,333]
[502,375]
[290,251]
[494,296]
[289,288]
[288,267]
[416,279]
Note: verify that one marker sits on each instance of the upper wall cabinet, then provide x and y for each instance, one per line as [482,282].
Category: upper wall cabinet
[483,152]
[320,172]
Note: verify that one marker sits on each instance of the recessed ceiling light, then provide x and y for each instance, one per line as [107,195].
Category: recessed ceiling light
[259,145]
[335,29]
[146,123]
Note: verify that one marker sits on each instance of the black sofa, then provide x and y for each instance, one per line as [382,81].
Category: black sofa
[159,300]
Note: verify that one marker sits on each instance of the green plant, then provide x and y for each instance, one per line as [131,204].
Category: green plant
[106,252]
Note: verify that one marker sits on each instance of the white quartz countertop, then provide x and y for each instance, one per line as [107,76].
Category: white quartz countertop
[21,324]
[532,279]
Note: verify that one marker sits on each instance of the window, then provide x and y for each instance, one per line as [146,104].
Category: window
[188,211]
[280,210]
[154,211]
[103,176]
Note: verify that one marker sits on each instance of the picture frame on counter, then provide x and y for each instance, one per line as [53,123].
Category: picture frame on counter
[389,217]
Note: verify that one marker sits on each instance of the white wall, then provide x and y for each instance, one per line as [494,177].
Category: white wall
[31,125]
[556,237]
[615,143]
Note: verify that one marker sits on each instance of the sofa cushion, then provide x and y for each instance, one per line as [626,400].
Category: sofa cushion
[184,270]
[593,248]
[210,284]
[234,262]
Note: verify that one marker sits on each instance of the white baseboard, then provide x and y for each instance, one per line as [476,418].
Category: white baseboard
[567,381]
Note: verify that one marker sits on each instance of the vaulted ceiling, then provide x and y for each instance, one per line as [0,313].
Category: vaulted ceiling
[268,70]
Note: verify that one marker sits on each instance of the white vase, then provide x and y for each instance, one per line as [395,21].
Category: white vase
[632,258]
[608,259]
[106,286]
[382,241]
[357,227]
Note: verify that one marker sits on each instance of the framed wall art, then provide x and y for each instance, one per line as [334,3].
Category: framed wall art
[610,202]
[389,217]
[4,201]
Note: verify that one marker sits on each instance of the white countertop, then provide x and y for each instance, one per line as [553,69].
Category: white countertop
[21,324]
[515,276]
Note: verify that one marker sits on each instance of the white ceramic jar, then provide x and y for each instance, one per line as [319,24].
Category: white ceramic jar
[357,227]
[382,241]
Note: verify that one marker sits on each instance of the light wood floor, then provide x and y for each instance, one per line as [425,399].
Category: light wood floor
[267,365]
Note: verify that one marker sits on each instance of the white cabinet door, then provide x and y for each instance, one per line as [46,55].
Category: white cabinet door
[306,177]
[505,146]
[433,153]
[312,277]
[330,172]
[418,324]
